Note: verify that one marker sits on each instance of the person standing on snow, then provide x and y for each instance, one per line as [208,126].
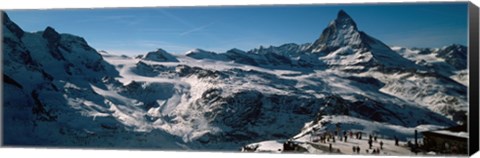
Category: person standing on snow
[396,141]
[370,144]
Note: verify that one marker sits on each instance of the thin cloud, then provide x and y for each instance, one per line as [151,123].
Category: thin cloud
[195,29]
[186,23]
[176,18]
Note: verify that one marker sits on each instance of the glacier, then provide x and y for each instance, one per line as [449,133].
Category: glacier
[60,92]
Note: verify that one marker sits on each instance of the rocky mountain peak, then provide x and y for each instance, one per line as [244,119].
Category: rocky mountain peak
[11,26]
[160,55]
[455,55]
[235,50]
[340,32]
[344,20]
[51,35]
[342,44]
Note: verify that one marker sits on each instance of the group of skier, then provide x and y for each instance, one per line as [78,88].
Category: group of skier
[329,137]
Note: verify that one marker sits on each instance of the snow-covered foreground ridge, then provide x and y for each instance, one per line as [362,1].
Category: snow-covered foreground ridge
[59,91]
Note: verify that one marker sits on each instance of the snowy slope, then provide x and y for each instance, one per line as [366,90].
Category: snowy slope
[449,61]
[203,100]
[50,79]
[228,102]
[446,69]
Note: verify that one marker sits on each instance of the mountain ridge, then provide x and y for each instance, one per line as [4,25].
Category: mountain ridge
[207,100]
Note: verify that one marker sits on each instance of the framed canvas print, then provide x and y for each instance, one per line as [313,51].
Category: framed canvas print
[380,79]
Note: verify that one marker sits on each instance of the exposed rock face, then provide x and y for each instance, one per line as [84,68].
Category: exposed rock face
[51,35]
[340,32]
[11,26]
[455,55]
[71,95]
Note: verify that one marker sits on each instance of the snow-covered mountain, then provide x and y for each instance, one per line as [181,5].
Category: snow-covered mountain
[347,48]
[160,56]
[50,94]
[449,61]
[289,49]
[69,94]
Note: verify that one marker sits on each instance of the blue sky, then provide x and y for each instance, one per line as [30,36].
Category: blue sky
[178,29]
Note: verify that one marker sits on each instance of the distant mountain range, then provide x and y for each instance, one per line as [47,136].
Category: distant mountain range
[59,91]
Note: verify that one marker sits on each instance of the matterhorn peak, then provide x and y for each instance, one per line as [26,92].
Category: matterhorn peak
[340,32]
[342,13]
[344,20]
[342,38]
